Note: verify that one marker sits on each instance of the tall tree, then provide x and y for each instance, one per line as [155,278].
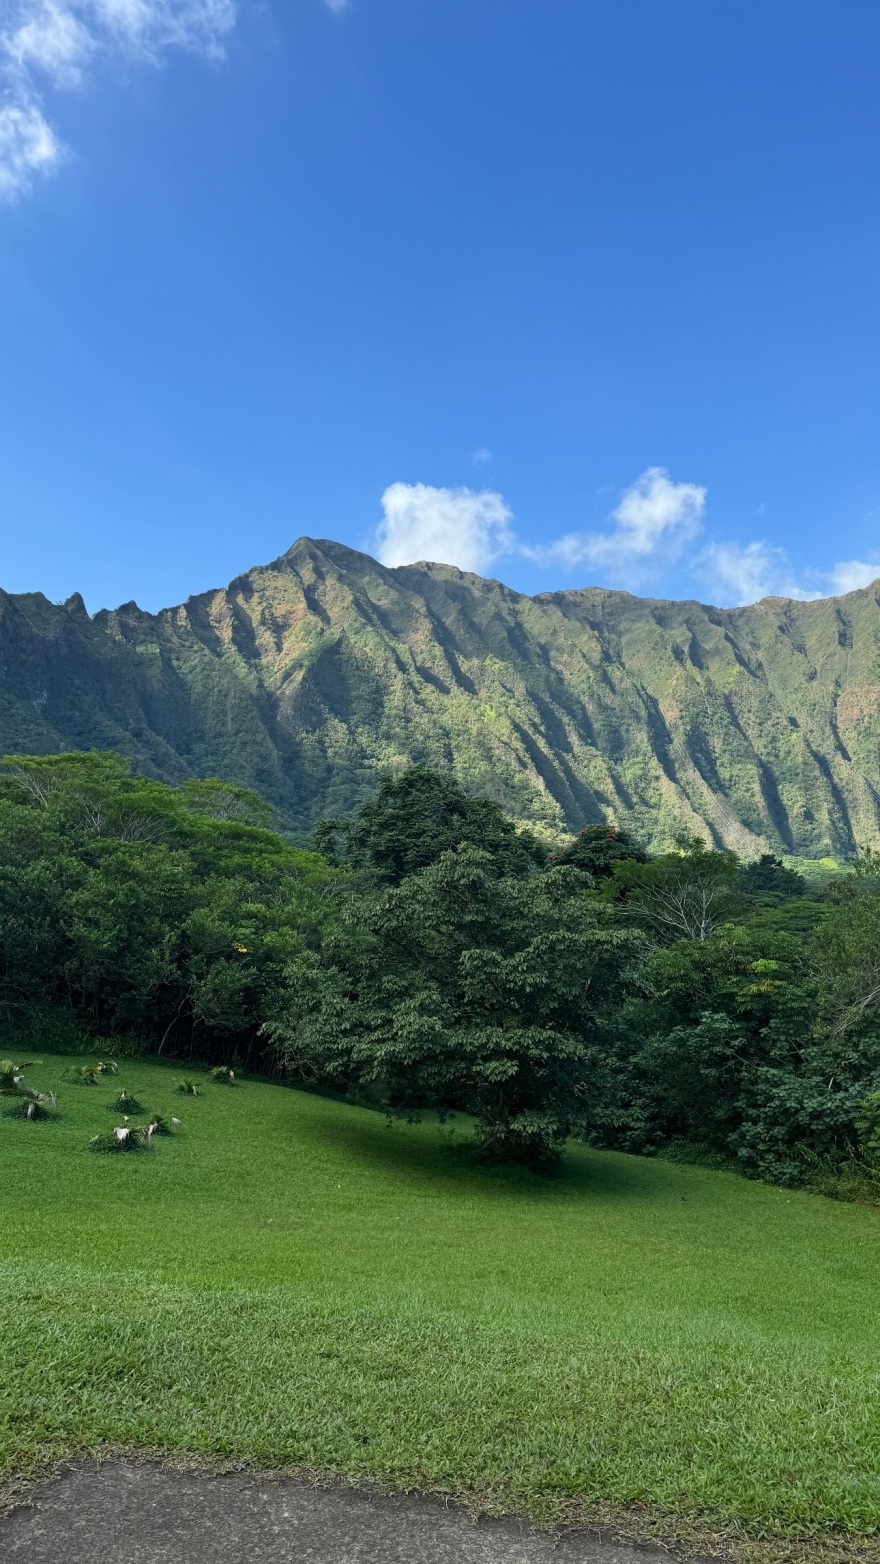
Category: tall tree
[460,988]
[414,819]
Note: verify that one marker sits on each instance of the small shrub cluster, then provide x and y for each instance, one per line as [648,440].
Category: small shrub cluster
[28,1103]
[128,1137]
[89,1074]
[124,1138]
[127,1104]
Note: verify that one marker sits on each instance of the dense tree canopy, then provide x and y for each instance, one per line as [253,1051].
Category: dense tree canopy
[416,817]
[432,956]
[460,987]
[597,848]
[127,908]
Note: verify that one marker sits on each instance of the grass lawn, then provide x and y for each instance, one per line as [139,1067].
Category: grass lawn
[289,1281]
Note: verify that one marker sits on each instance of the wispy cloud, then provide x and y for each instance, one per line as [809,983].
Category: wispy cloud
[464,527]
[28,146]
[337,7]
[654,521]
[52,45]
[745,572]
[851,574]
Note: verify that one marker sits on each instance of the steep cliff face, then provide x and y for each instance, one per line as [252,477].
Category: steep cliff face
[306,677]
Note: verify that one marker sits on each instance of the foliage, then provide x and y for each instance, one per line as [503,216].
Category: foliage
[89,1074]
[126,1103]
[159,1125]
[187,1087]
[458,988]
[867,1122]
[441,963]
[847,949]
[597,848]
[125,1138]
[685,894]
[29,1103]
[134,911]
[724,1048]
[11,1076]
[417,817]
[768,876]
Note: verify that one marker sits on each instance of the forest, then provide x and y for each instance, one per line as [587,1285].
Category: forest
[426,955]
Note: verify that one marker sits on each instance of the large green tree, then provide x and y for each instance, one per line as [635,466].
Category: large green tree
[416,817]
[597,848]
[460,988]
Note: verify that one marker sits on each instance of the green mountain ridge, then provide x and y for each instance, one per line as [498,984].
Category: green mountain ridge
[757,726]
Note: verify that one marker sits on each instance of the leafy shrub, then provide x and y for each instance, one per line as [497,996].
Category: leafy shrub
[125,1103]
[125,1138]
[223,1075]
[30,1104]
[89,1074]
[34,1105]
[159,1125]
[867,1122]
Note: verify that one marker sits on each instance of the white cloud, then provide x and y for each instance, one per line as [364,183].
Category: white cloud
[850,574]
[28,147]
[46,44]
[652,524]
[51,40]
[338,6]
[745,572]
[464,527]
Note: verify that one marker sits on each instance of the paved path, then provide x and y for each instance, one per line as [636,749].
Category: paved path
[128,1513]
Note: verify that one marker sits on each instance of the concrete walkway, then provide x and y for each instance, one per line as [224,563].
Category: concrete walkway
[130,1513]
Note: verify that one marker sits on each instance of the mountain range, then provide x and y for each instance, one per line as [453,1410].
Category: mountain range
[756,727]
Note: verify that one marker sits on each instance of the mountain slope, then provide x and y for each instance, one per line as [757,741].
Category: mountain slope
[305,677]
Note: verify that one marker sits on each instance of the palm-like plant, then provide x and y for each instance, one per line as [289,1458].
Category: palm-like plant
[187,1087]
[125,1103]
[30,1104]
[125,1137]
[223,1075]
[89,1074]
[159,1125]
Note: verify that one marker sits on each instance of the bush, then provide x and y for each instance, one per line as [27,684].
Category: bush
[159,1125]
[223,1075]
[125,1103]
[34,1105]
[30,1104]
[89,1074]
[125,1138]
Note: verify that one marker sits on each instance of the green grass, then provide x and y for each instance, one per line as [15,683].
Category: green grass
[289,1281]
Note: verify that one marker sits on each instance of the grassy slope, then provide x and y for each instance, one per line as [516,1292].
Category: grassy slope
[290,1281]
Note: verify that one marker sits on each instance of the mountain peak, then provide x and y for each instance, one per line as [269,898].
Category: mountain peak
[756,727]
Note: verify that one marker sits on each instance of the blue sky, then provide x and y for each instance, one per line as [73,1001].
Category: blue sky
[566,291]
